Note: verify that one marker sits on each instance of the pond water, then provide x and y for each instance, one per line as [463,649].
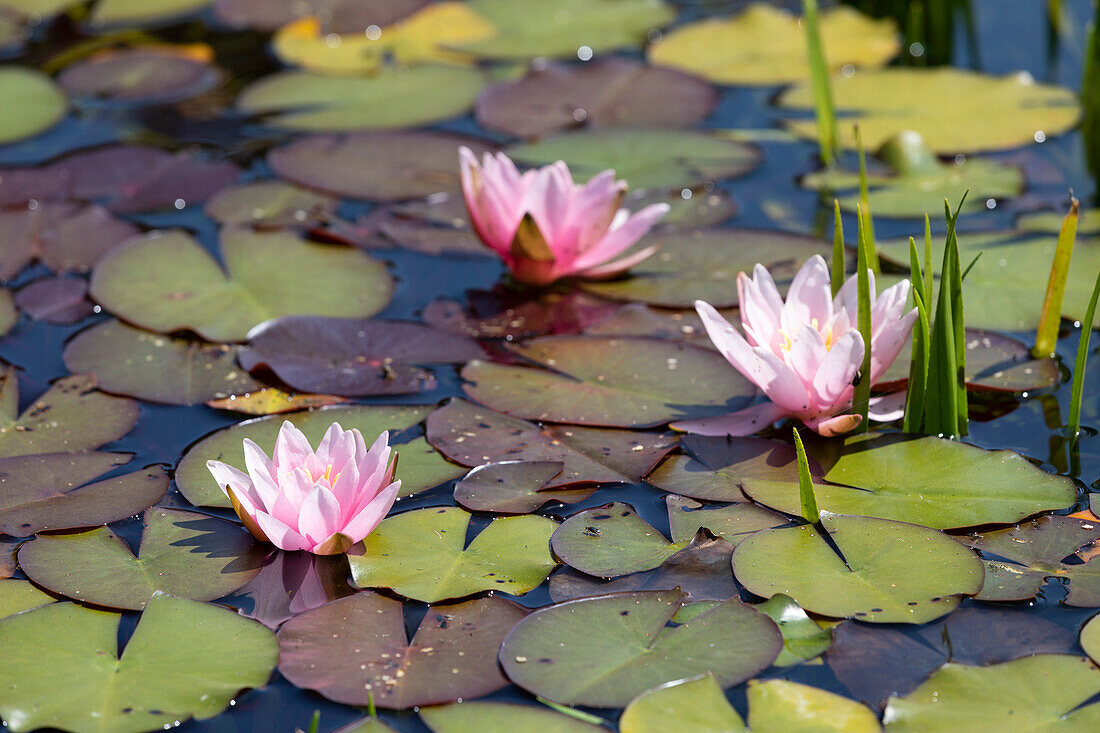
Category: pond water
[1004,38]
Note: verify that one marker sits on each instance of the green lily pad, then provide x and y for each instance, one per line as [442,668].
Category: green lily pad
[33,103]
[929,481]
[54,491]
[391,98]
[515,487]
[376,166]
[70,416]
[143,12]
[1090,638]
[603,651]
[1050,222]
[695,703]
[183,553]
[886,572]
[64,236]
[609,382]
[367,725]
[777,706]
[703,265]
[423,555]
[611,540]
[733,522]
[644,158]
[9,315]
[355,650]
[167,282]
[1040,693]
[155,367]
[638,319]
[803,638]
[62,668]
[269,204]
[473,435]
[1020,559]
[501,717]
[528,29]
[766,45]
[955,110]
[17,596]
[421,466]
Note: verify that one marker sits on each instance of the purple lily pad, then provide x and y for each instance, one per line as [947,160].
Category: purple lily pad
[511,315]
[66,237]
[343,16]
[515,487]
[472,436]
[609,92]
[353,357]
[354,651]
[149,75]
[290,583]
[57,300]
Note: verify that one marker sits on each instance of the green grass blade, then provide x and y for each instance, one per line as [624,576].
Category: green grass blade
[957,322]
[972,263]
[865,204]
[927,260]
[1078,390]
[838,274]
[805,483]
[861,398]
[822,87]
[918,363]
[1050,317]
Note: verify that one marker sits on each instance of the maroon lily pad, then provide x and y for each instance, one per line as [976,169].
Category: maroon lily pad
[66,237]
[354,651]
[57,300]
[515,487]
[353,357]
[342,16]
[290,583]
[638,319]
[375,166]
[612,91]
[513,315]
[144,75]
[54,491]
[472,436]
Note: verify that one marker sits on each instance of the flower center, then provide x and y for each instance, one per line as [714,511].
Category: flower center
[827,335]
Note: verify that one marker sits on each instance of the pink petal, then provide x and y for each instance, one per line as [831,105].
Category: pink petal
[619,266]
[621,236]
[887,407]
[886,347]
[292,449]
[372,514]
[742,422]
[241,484]
[809,296]
[760,307]
[779,382]
[838,369]
[328,443]
[807,353]
[320,516]
[280,534]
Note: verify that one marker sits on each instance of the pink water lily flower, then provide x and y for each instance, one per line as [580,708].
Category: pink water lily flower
[545,227]
[323,501]
[805,352]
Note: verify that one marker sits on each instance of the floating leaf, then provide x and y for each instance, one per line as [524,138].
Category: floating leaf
[953,109]
[377,166]
[271,204]
[344,16]
[183,553]
[417,458]
[766,45]
[644,158]
[393,97]
[780,705]
[1090,638]
[515,487]
[9,316]
[498,314]
[157,368]
[156,74]
[473,435]
[733,522]
[638,319]
[423,555]
[53,491]
[929,481]
[352,357]
[32,103]
[528,29]
[1044,692]
[500,717]
[627,382]
[57,300]
[166,282]
[611,540]
[885,572]
[272,401]
[603,651]
[290,583]
[17,596]
[609,92]
[142,12]
[703,265]
[355,651]
[70,416]
[695,703]
[803,638]
[63,236]
[62,667]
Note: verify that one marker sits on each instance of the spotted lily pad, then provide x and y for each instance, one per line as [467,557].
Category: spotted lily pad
[377,166]
[155,367]
[803,638]
[1020,559]
[611,540]
[515,487]
[703,265]
[627,382]
[420,466]
[62,666]
[65,237]
[732,522]
[70,416]
[17,596]
[353,357]
[929,481]
[1044,692]
[954,110]
[885,572]
[423,555]
[645,158]
[393,97]
[694,703]
[610,92]
[500,717]
[167,282]
[33,103]
[603,651]
[55,491]
[183,553]
[57,300]
[269,204]
[158,74]
[767,45]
